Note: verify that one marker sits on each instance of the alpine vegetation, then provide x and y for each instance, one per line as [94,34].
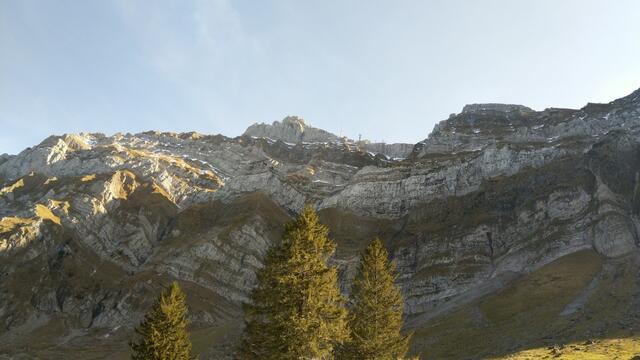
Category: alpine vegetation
[297,311]
[375,318]
[163,333]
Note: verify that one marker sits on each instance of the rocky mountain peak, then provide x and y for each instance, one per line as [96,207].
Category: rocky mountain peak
[472,108]
[294,120]
[292,129]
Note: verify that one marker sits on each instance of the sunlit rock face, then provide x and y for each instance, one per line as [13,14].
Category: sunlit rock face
[291,129]
[92,225]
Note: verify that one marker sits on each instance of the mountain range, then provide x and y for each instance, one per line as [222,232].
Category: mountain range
[512,229]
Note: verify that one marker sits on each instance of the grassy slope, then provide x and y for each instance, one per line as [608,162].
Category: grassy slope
[523,321]
[604,349]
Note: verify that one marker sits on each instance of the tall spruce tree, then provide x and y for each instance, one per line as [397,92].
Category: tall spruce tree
[297,311]
[163,333]
[375,318]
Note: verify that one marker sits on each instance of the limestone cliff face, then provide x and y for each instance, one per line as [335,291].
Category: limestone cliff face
[95,224]
[291,129]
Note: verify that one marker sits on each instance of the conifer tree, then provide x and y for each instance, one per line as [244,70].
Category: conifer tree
[375,318]
[297,311]
[163,333]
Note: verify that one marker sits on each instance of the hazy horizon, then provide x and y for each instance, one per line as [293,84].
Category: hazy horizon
[388,71]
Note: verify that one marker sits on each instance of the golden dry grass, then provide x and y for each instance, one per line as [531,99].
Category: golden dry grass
[45,213]
[520,315]
[175,161]
[87,178]
[10,223]
[600,349]
[16,185]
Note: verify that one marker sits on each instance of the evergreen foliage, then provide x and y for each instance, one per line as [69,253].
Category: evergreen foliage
[163,333]
[297,311]
[375,319]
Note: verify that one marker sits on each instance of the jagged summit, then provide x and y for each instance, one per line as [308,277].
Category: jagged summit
[292,119]
[291,129]
[496,107]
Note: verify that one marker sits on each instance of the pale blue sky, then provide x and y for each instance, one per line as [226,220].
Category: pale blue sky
[386,69]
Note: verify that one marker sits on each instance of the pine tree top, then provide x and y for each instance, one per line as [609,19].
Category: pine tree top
[163,332]
[307,234]
[375,319]
[297,310]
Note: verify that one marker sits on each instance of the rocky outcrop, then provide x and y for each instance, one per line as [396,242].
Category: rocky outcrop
[498,108]
[4,157]
[98,223]
[291,129]
[294,130]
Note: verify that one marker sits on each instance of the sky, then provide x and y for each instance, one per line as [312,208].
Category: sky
[389,70]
